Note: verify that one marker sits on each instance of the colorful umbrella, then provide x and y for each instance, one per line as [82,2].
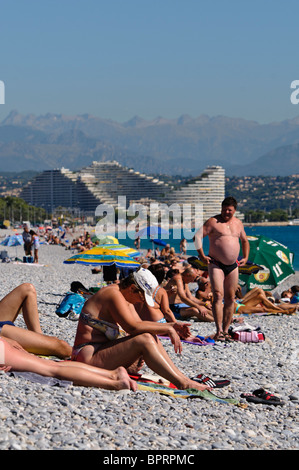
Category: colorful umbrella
[116,249]
[106,240]
[275,259]
[13,240]
[89,257]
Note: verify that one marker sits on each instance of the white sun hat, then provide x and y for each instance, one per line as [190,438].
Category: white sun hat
[148,283]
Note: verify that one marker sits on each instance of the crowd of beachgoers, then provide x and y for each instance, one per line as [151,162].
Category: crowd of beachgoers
[38,414]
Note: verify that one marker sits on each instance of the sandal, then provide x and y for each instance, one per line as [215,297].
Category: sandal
[224,338]
[262,396]
[204,379]
[228,338]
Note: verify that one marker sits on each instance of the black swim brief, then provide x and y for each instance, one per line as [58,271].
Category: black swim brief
[226,268]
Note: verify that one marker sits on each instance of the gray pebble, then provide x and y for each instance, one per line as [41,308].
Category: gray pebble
[35,416]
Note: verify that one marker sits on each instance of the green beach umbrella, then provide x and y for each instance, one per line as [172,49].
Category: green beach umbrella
[275,259]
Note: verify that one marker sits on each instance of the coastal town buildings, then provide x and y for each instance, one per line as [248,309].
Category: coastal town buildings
[105,182]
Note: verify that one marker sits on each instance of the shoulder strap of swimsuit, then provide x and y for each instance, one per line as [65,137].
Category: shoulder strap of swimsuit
[156,292]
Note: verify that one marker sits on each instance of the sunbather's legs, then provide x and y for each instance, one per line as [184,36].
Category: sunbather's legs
[37,343]
[78,373]
[22,298]
[126,351]
[224,288]
[230,287]
[217,278]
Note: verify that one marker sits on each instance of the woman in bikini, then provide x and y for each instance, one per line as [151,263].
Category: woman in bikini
[24,299]
[14,357]
[99,341]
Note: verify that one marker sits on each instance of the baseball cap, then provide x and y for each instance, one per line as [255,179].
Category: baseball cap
[147,282]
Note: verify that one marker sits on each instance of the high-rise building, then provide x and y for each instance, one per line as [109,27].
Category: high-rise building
[105,182]
[207,190]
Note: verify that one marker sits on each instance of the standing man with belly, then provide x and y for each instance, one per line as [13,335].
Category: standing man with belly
[224,232]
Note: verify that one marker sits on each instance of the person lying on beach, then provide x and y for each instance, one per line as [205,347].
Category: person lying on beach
[295,294]
[98,340]
[161,312]
[24,299]
[256,300]
[182,302]
[14,358]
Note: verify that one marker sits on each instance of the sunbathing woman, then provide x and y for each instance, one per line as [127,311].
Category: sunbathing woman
[98,340]
[23,298]
[14,357]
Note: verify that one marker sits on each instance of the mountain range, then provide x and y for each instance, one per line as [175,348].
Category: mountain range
[183,146]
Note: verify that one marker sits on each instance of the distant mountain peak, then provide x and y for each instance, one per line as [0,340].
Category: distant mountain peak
[135,121]
[181,146]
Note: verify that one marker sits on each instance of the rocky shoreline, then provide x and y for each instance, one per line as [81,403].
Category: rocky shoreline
[34,416]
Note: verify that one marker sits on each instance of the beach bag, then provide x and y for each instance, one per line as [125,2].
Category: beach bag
[249,336]
[70,306]
[28,259]
[246,333]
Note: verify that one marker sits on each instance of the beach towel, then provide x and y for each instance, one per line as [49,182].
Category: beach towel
[262,314]
[41,379]
[205,341]
[189,393]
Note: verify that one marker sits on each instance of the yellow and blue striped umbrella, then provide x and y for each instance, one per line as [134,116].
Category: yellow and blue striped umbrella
[89,257]
[116,249]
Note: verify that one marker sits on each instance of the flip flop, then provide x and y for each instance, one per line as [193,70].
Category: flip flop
[207,339]
[262,396]
[204,379]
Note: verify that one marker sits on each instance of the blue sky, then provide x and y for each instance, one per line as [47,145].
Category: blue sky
[119,58]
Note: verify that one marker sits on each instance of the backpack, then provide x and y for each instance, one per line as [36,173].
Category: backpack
[70,306]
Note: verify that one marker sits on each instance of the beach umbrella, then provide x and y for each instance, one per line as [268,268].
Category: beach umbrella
[159,242]
[106,240]
[118,250]
[276,262]
[152,231]
[88,257]
[13,240]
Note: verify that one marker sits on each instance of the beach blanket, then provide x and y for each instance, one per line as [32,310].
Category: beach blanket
[262,314]
[189,393]
[205,341]
[36,265]
[41,379]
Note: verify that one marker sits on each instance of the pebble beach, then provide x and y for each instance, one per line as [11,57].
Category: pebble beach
[35,416]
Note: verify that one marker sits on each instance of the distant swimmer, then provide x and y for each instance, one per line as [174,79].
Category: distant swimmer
[224,232]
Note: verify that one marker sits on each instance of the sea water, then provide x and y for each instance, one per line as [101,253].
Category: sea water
[286,235]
